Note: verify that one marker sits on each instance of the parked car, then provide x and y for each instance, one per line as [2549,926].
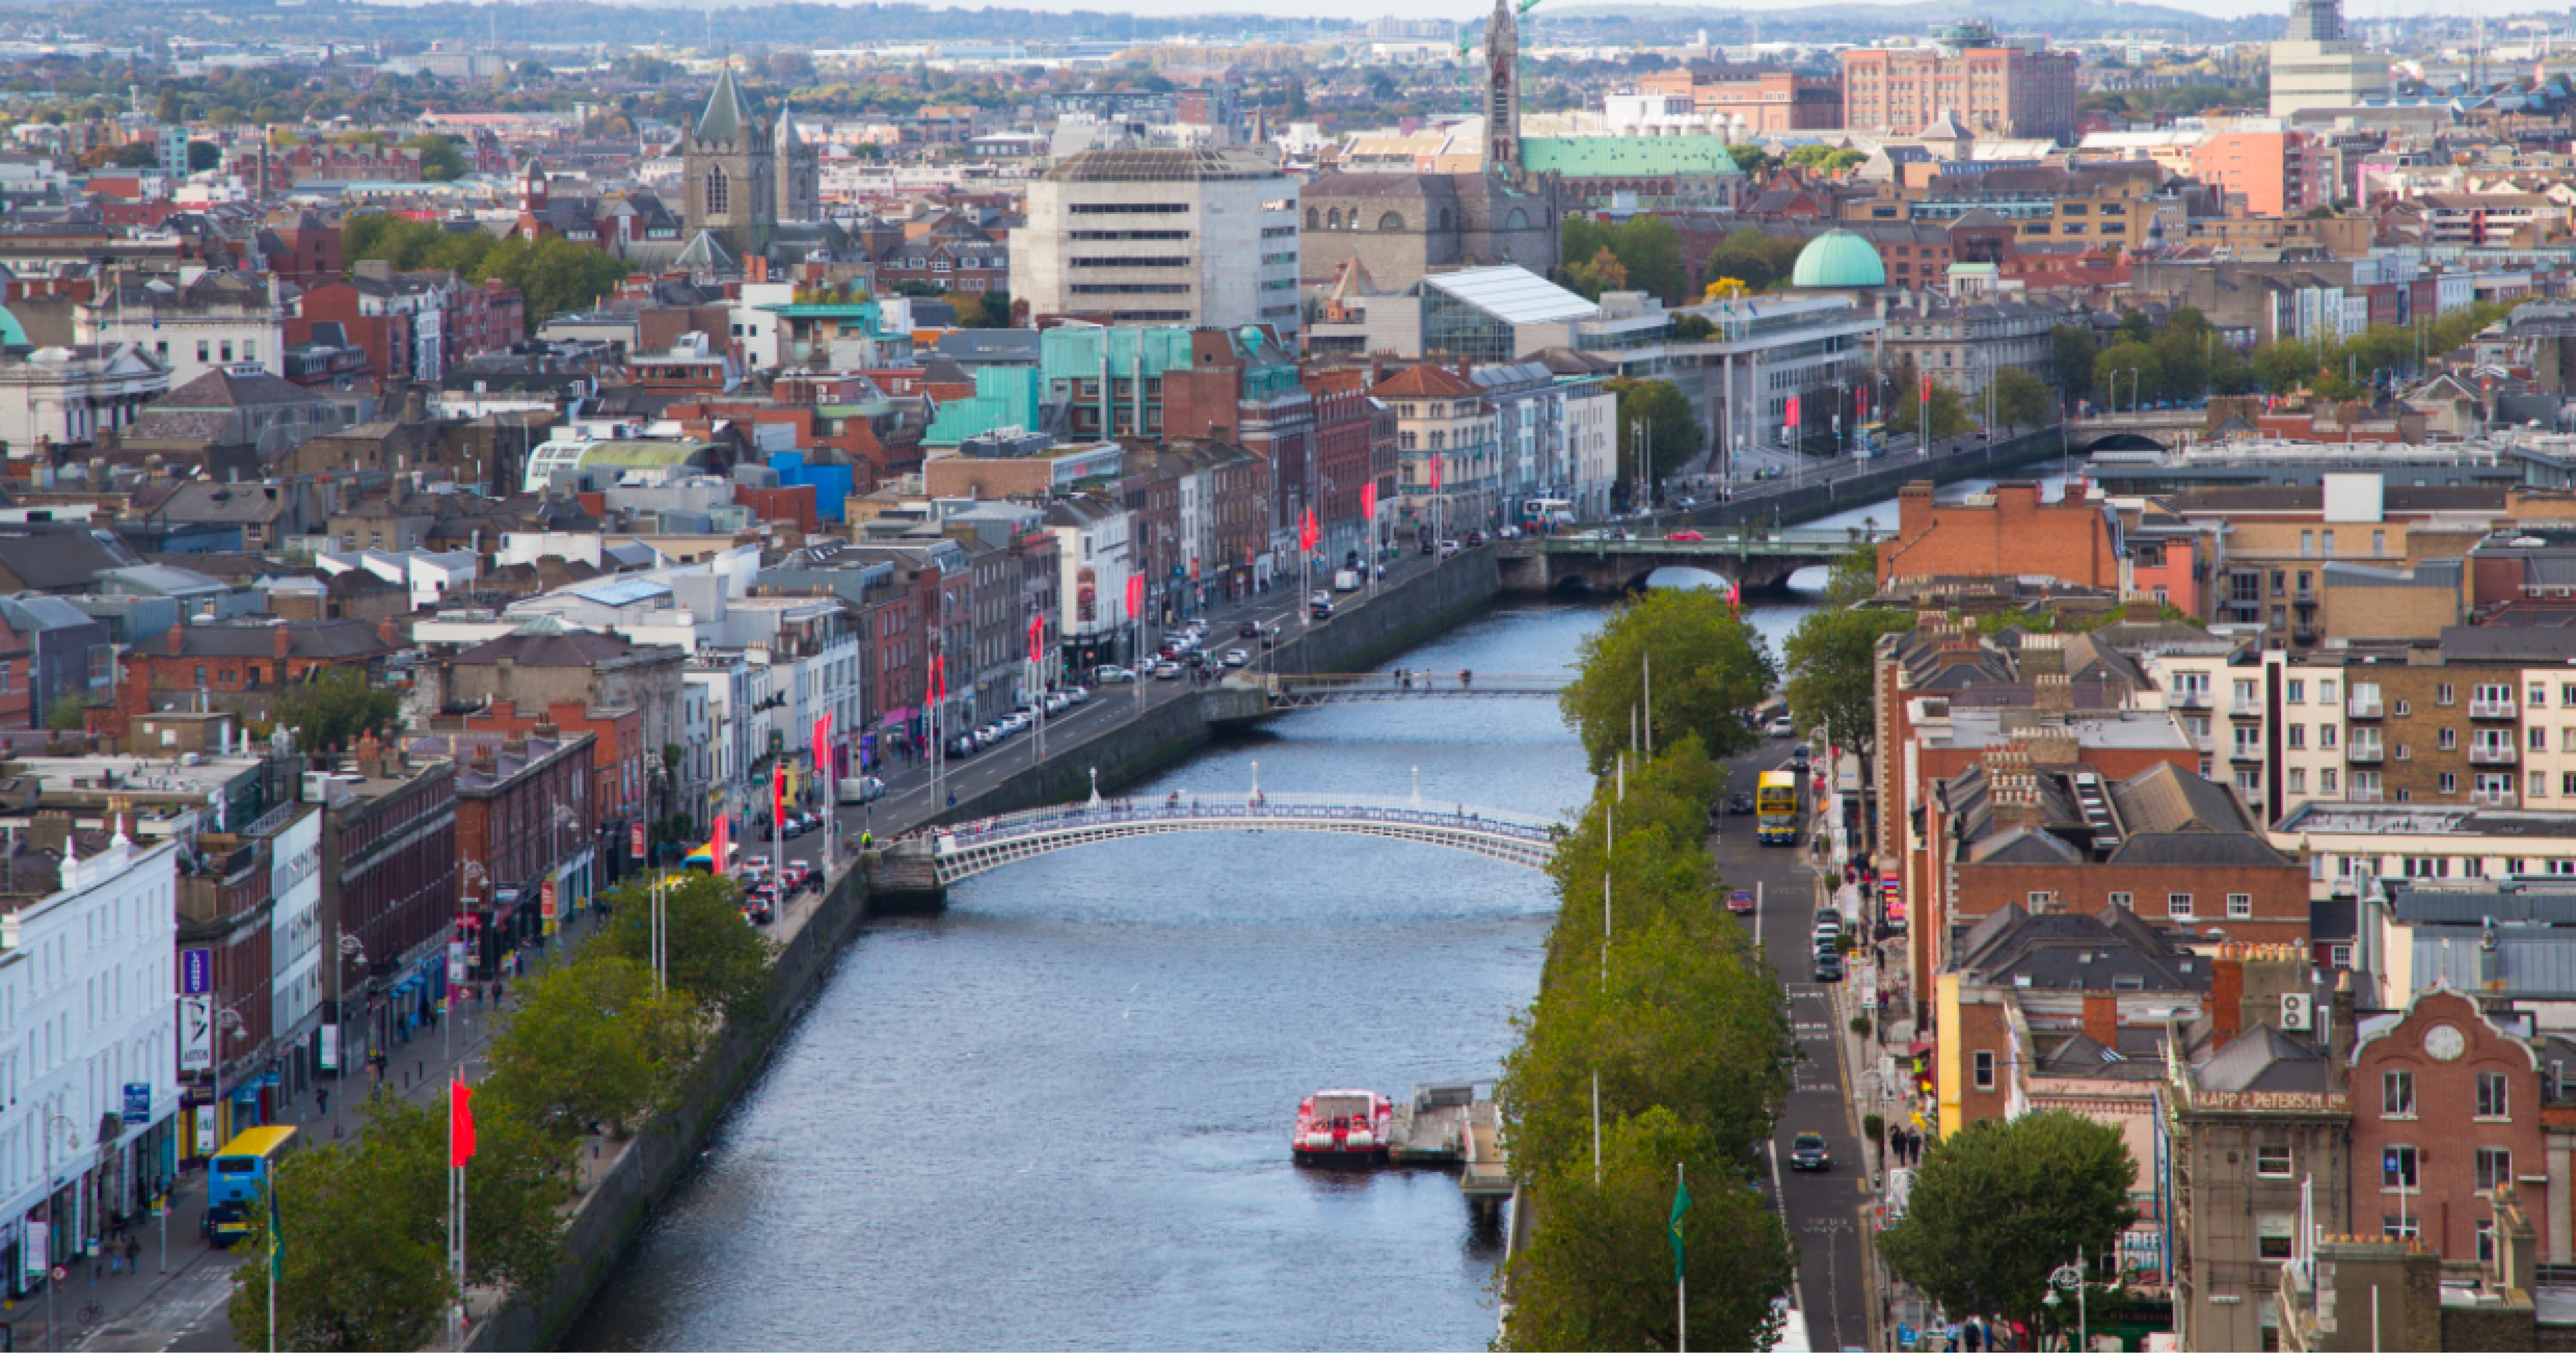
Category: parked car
[1320,610]
[1475,538]
[1739,805]
[1783,727]
[1077,694]
[1448,548]
[1829,967]
[1829,929]
[1167,671]
[1110,674]
[964,745]
[1235,657]
[1807,1152]
[1740,901]
[1250,629]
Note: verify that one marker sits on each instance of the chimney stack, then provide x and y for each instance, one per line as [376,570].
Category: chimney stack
[2226,997]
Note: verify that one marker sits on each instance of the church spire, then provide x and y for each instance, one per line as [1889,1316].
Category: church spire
[726,113]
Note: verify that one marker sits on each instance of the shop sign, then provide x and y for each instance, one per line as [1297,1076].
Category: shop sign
[331,1047]
[138,1103]
[196,1033]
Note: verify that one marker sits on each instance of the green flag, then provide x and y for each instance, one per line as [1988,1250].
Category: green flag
[1681,1206]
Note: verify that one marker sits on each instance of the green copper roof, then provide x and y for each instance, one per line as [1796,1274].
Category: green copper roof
[1839,258]
[726,112]
[1004,397]
[1701,154]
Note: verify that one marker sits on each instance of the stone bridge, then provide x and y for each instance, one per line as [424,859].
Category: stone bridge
[1754,560]
[2137,430]
[940,856]
[1304,690]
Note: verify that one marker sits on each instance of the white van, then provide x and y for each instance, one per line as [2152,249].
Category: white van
[862,789]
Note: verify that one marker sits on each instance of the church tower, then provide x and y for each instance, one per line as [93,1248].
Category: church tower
[800,171]
[1503,93]
[729,178]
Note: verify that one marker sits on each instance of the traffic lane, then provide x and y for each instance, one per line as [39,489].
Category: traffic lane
[1822,1209]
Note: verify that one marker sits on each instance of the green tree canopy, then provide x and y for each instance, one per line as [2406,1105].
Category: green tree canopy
[2021,401]
[440,160]
[334,709]
[714,959]
[1832,656]
[1672,430]
[2139,372]
[1599,273]
[1600,1273]
[592,1043]
[2070,359]
[1998,1206]
[359,1275]
[1761,262]
[1710,670]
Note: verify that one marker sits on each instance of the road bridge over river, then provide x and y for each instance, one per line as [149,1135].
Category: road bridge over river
[1753,559]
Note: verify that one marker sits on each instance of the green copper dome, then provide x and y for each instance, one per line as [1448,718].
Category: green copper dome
[1839,258]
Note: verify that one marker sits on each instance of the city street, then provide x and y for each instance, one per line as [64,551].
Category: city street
[1823,1210]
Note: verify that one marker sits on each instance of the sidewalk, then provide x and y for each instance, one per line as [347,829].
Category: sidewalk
[146,1311]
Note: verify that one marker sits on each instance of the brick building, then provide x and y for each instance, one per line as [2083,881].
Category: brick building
[388,883]
[618,758]
[2007,531]
[1767,100]
[526,843]
[250,659]
[1990,87]
[2448,1107]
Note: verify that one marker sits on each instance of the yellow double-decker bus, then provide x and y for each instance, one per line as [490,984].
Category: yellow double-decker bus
[239,1176]
[1775,808]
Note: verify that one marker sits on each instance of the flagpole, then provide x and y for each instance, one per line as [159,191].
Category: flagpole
[1681,1281]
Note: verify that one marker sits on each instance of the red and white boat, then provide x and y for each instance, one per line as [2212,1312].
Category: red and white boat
[1343,1127]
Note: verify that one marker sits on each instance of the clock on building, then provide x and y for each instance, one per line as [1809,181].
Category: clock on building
[2445,1043]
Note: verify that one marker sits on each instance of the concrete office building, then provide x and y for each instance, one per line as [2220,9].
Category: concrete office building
[2316,66]
[1183,237]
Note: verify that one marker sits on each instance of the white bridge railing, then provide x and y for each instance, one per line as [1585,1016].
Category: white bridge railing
[971,848]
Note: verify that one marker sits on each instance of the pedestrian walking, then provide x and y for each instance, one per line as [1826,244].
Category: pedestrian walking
[322,1100]
[133,1253]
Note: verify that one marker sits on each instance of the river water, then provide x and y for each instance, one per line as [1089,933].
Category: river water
[1056,1115]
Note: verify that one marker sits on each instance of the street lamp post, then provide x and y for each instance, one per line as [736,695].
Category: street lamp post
[2070,1277]
[71,1142]
[350,947]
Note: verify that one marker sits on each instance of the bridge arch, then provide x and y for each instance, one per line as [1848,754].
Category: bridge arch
[2121,441]
[967,849]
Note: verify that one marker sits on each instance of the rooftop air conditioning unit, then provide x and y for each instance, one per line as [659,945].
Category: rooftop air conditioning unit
[2295,1013]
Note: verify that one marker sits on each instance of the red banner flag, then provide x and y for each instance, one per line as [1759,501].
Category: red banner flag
[716,861]
[1136,596]
[778,792]
[823,745]
[1793,411]
[1926,380]
[1368,500]
[1435,470]
[460,1123]
[1306,532]
[1035,625]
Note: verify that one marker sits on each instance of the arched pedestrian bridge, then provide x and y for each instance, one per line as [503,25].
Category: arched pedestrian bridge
[966,849]
[1301,690]
[1755,559]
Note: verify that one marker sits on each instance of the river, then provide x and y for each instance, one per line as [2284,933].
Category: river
[1056,1115]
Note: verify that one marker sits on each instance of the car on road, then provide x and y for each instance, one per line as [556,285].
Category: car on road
[1428,547]
[1783,727]
[1235,657]
[1057,703]
[1739,805]
[1475,538]
[1829,967]
[1077,694]
[1448,548]
[1807,1152]
[1740,901]
[964,745]
[1319,597]
[1320,610]
[1168,671]
[802,875]
[1250,629]
[1684,535]
[1829,929]
[1800,758]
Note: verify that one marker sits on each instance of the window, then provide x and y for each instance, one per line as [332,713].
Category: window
[201,350]
[720,196]
[2486,1242]
[2379,542]
[2297,737]
[2244,690]
[2280,585]
[2539,739]
[2450,783]
[2326,692]
[2120,900]
[2449,738]
[2276,1235]
[201,667]
[2240,906]
[2326,736]
[2397,1169]
[2298,780]
[2326,780]
[2339,955]
[1985,1071]
[2397,1094]
[2178,906]
[2272,1162]
[2328,538]
[2307,544]
[2495,1095]
[2442,694]
[2296,692]
[2539,696]
[2401,1226]
[2540,784]
[2495,1168]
